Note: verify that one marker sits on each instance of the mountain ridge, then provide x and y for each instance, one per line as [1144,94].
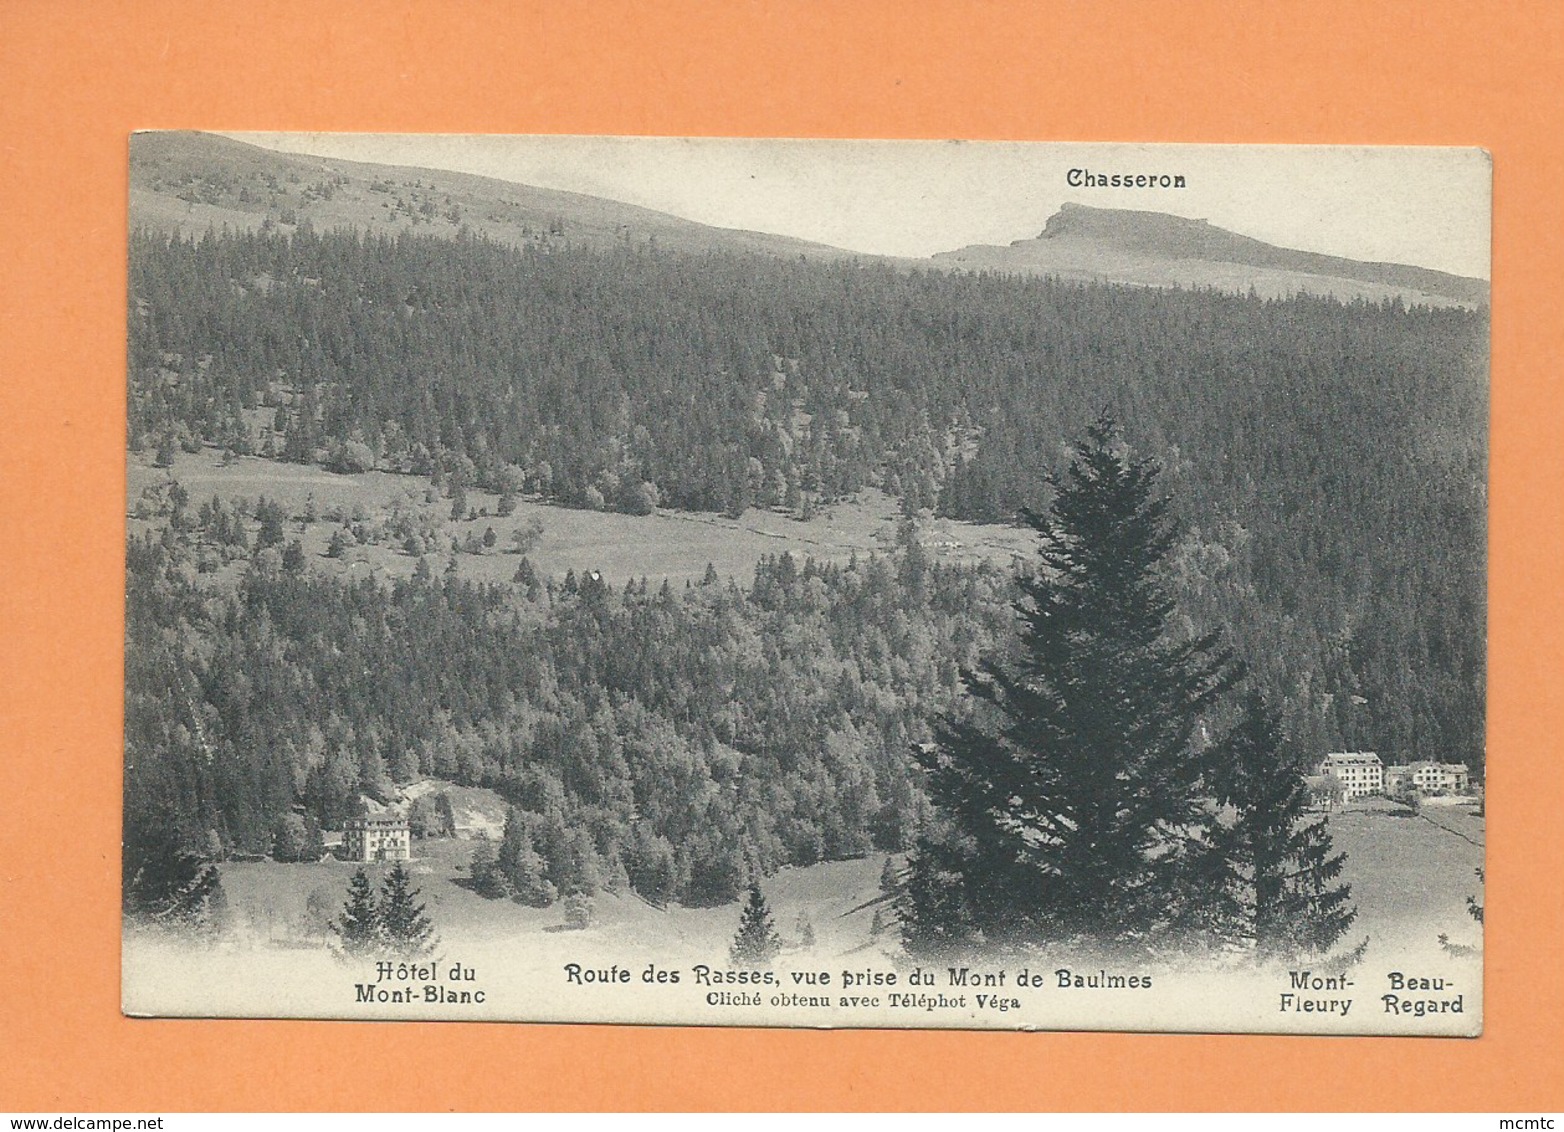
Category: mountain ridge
[1165,236]
[187,182]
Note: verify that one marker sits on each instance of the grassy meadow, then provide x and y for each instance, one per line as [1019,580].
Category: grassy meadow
[674,545]
[1410,878]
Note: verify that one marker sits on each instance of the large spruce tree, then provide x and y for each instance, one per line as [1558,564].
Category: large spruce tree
[359,925]
[406,931]
[1073,786]
[757,941]
[165,883]
[1284,876]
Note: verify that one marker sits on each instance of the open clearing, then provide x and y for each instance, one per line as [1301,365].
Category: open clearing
[1410,878]
[675,545]
[269,903]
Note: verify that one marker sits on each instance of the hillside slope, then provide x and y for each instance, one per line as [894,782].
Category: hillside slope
[187,182]
[1154,248]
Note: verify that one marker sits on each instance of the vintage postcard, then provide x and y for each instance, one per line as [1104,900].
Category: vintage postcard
[806,583]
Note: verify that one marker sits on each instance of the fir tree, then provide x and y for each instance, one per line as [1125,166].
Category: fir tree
[1283,888]
[291,840]
[445,814]
[1075,796]
[757,942]
[488,879]
[403,925]
[1474,907]
[522,865]
[165,883]
[931,905]
[359,925]
[890,879]
[270,516]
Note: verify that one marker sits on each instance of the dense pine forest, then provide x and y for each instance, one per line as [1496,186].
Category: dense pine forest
[677,740]
[1327,463]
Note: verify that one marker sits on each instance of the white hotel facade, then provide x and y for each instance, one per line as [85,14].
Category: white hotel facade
[1359,772]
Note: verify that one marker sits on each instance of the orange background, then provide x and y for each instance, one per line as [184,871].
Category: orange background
[77,78]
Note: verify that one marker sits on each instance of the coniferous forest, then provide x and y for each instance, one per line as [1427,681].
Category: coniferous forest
[674,739]
[1325,462]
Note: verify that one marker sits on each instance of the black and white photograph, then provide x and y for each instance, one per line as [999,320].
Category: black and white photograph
[806,583]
